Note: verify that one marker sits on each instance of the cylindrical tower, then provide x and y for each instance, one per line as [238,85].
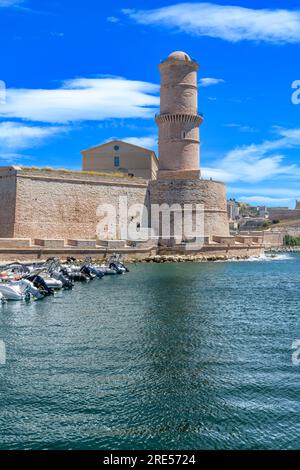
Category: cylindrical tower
[178,121]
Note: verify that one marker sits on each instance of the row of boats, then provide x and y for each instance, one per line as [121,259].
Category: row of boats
[36,281]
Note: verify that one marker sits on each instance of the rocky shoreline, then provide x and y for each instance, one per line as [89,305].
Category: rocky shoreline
[179,258]
[184,259]
[285,249]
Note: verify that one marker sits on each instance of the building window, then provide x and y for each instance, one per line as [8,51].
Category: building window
[116,148]
[116,161]
[183,134]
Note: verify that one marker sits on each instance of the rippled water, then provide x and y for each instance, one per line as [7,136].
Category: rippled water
[167,356]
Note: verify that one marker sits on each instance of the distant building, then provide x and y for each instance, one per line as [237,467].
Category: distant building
[263,212]
[233,210]
[119,156]
[284,213]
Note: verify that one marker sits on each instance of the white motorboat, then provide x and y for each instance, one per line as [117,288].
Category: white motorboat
[52,283]
[10,292]
[72,268]
[19,290]
[46,277]
[106,269]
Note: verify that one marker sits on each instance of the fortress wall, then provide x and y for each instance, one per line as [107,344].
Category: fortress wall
[270,238]
[211,194]
[7,201]
[284,214]
[55,205]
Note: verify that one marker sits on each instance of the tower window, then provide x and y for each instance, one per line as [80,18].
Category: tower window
[116,161]
[183,134]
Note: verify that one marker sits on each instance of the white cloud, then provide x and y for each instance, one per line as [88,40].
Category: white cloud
[266,201]
[10,3]
[240,127]
[256,163]
[12,158]
[275,193]
[57,34]
[83,99]
[205,82]
[292,135]
[16,136]
[230,23]
[112,19]
[149,142]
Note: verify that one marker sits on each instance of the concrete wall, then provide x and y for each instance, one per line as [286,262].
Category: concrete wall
[7,201]
[133,159]
[55,205]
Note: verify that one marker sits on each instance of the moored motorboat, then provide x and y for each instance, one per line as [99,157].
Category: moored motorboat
[19,290]
[22,281]
[52,283]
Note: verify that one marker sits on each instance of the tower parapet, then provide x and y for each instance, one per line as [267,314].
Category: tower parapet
[179,121]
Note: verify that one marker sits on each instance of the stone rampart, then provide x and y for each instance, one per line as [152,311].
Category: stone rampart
[211,194]
[58,205]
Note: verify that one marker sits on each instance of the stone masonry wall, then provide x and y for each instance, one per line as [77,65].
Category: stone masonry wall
[282,214]
[57,205]
[7,201]
[211,194]
[64,206]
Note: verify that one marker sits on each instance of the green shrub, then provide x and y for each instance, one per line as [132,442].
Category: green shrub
[291,241]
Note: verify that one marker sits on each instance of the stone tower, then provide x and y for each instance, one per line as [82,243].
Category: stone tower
[179,181]
[178,120]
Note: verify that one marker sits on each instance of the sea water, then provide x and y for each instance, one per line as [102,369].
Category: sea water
[168,356]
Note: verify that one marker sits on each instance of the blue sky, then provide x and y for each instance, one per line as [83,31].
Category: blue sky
[80,73]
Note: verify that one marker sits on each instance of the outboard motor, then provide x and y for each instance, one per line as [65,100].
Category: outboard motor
[124,267]
[115,263]
[40,284]
[92,270]
[117,268]
[98,273]
[66,281]
[86,270]
[75,277]
[30,289]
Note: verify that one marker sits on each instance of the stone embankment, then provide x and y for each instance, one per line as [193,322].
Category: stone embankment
[285,249]
[185,258]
